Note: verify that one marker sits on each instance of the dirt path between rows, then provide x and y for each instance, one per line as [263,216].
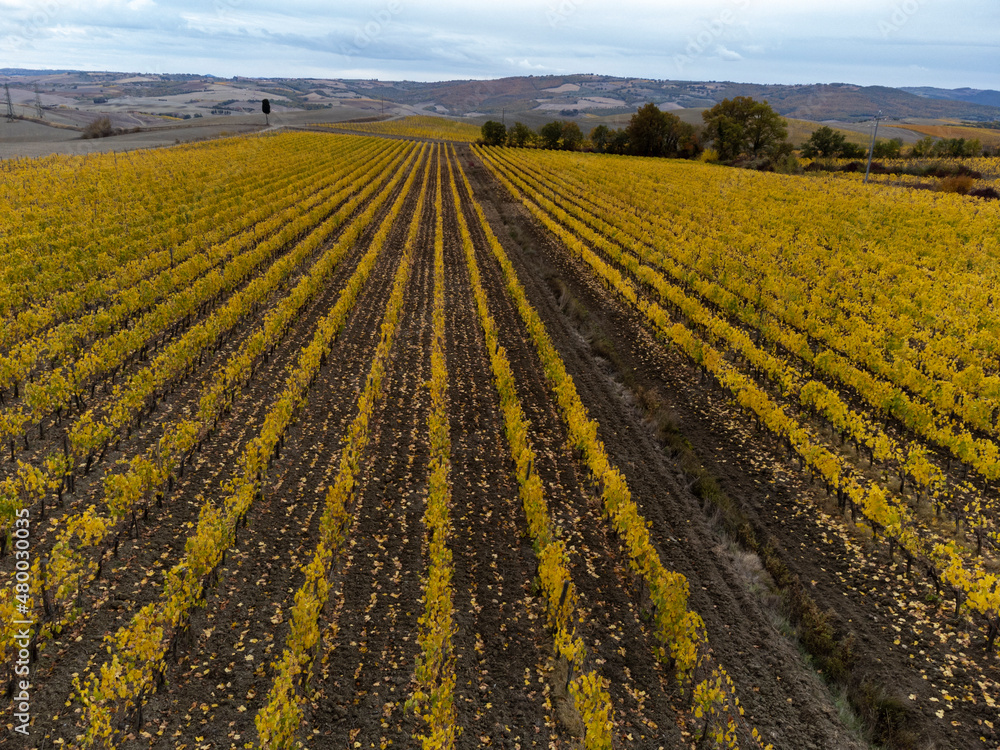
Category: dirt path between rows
[368,668]
[134,577]
[619,643]
[782,697]
[936,680]
[500,644]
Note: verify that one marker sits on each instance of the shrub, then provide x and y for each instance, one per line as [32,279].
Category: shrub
[99,128]
[889,149]
[825,142]
[853,151]
[787,164]
[960,184]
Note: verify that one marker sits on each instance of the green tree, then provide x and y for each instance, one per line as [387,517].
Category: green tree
[652,132]
[572,136]
[618,142]
[494,133]
[852,151]
[743,127]
[727,136]
[520,135]
[825,142]
[923,147]
[599,137]
[551,133]
[957,147]
[949,147]
[648,131]
[888,149]
[766,130]
[265,107]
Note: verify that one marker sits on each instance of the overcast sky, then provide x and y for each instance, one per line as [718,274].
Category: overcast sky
[946,43]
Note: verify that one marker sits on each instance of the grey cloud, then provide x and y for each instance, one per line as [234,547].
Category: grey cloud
[750,40]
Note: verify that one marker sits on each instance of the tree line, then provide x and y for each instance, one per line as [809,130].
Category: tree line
[827,143]
[740,131]
[737,130]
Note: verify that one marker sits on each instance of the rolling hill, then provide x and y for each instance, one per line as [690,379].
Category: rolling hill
[530,98]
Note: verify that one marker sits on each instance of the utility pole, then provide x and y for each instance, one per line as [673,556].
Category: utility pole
[10,104]
[871,148]
[38,104]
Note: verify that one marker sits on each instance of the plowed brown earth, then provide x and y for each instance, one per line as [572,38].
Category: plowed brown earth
[501,644]
[639,688]
[369,665]
[244,624]
[134,577]
[508,692]
[914,652]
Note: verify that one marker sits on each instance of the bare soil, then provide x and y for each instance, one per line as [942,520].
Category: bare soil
[904,639]
[509,693]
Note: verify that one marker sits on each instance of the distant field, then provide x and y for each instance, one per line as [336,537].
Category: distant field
[987,167]
[417,126]
[860,133]
[800,130]
[26,138]
[985,135]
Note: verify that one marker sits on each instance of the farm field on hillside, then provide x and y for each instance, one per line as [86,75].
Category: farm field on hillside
[415,126]
[986,136]
[323,440]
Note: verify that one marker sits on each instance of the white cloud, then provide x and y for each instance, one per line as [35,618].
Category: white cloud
[525,65]
[727,54]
